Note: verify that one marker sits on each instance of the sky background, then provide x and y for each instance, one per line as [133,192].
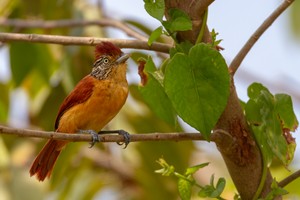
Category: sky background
[274,60]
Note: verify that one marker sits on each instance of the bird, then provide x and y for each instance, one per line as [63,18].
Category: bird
[95,100]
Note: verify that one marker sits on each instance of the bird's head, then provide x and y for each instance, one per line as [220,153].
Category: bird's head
[108,58]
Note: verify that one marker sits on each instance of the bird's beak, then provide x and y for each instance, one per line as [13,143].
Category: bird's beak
[122,58]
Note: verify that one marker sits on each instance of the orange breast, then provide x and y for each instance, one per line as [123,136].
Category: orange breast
[105,102]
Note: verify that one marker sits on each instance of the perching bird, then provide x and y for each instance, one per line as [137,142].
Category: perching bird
[95,100]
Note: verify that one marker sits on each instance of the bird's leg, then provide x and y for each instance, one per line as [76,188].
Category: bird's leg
[125,134]
[95,136]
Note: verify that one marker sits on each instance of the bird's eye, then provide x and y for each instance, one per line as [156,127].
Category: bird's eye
[105,60]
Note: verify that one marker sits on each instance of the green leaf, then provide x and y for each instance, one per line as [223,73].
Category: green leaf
[45,61]
[193,169]
[268,134]
[24,57]
[44,118]
[155,8]
[154,35]
[154,94]
[198,86]
[22,60]
[214,42]
[268,116]
[184,188]
[206,191]
[275,191]
[211,191]
[4,101]
[183,47]
[254,90]
[150,66]
[219,188]
[179,21]
[261,139]
[253,112]
[166,169]
[284,108]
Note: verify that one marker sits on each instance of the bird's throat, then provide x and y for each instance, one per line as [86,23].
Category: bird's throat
[100,74]
[115,73]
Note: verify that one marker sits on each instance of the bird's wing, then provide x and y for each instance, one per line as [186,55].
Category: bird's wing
[80,94]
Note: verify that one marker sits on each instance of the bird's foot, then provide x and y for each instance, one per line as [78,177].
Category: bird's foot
[95,136]
[125,134]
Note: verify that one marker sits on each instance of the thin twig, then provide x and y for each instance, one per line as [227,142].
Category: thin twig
[103,138]
[289,179]
[51,24]
[256,35]
[71,40]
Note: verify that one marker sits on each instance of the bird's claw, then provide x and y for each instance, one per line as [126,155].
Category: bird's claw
[126,136]
[95,136]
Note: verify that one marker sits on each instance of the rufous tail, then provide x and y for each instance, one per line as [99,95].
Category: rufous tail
[43,164]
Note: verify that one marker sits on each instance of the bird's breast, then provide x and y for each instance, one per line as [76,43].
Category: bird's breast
[106,100]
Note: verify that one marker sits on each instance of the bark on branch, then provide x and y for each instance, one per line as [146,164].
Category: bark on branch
[71,40]
[103,138]
[289,179]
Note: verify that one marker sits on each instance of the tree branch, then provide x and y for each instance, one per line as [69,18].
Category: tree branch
[256,35]
[51,24]
[195,9]
[71,40]
[289,179]
[103,138]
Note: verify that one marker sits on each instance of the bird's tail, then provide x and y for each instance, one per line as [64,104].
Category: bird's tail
[44,162]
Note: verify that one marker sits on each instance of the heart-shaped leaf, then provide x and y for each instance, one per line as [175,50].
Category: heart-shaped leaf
[198,86]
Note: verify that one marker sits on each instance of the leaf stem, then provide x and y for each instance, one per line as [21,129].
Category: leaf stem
[203,26]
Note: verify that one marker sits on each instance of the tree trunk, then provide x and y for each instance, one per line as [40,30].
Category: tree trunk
[238,148]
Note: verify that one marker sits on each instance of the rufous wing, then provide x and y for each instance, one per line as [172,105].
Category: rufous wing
[80,94]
